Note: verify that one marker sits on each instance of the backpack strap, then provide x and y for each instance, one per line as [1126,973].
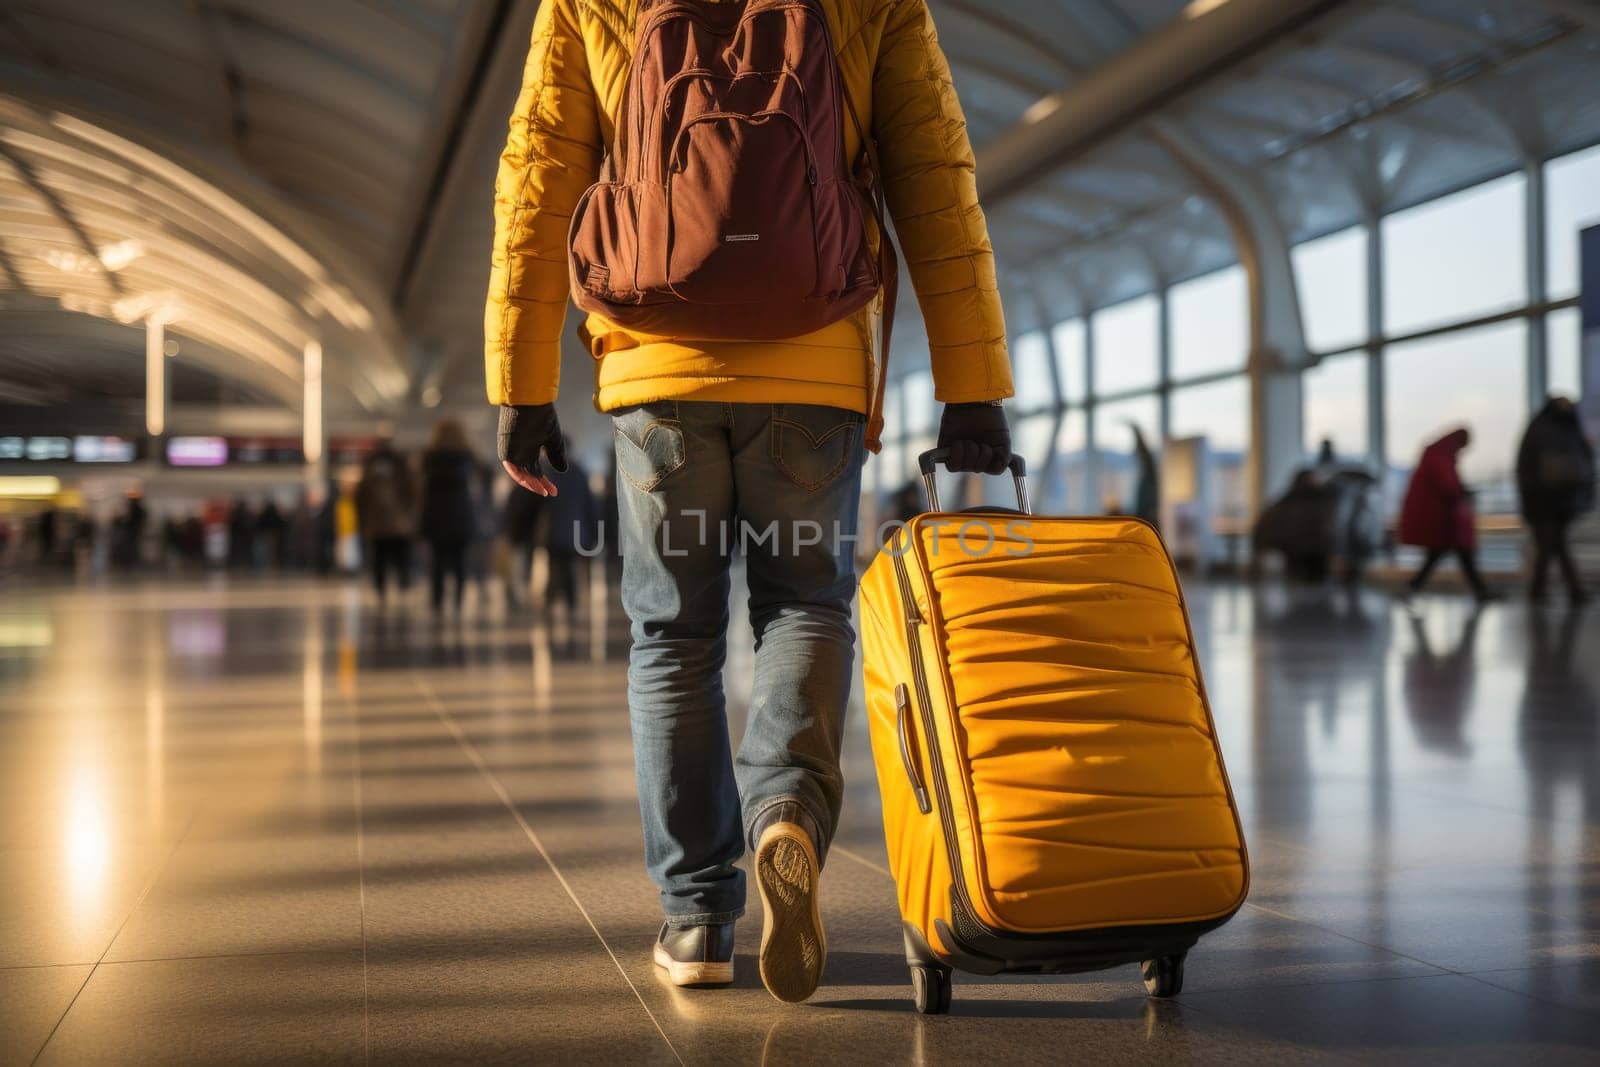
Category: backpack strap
[888,274]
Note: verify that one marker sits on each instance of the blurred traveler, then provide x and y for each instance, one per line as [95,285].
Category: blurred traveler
[484,560]
[570,529]
[298,533]
[127,532]
[1555,479]
[743,391]
[271,527]
[1437,514]
[449,508]
[386,508]
[241,535]
[519,524]
[1147,490]
[49,524]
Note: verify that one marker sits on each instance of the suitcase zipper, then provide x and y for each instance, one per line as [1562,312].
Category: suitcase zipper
[919,676]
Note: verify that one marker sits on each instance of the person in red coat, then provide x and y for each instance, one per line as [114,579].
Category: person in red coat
[1437,515]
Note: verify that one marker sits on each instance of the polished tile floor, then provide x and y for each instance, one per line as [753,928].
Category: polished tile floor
[261,820]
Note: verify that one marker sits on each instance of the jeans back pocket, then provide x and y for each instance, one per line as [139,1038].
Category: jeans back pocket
[813,444]
[649,444]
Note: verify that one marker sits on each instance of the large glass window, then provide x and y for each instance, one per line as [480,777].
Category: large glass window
[1126,352]
[1331,276]
[1475,379]
[1219,412]
[1456,257]
[1564,342]
[1032,438]
[1066,491]
[1572,203]
[1209,323]
[1030,373]
[1118,461]
[1069,339]
[1336,405]
[920,408]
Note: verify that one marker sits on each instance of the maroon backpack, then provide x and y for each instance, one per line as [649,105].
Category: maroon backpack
[726,209]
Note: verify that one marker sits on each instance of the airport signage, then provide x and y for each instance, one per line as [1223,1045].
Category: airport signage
[104,449]
[52,448]
[197,451]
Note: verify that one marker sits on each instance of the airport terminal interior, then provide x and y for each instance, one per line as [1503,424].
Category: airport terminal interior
[1257,258]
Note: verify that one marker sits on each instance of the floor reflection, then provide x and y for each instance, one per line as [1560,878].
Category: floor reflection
[282,822]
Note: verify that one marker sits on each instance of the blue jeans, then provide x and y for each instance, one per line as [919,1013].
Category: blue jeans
[698,481]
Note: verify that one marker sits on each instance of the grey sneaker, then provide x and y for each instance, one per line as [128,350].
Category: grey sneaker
[793,946]
[696,955]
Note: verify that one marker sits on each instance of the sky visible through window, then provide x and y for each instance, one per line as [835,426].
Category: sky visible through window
[1453,259]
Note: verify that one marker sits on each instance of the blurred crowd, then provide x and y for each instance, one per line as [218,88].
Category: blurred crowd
[475,525]
[443,514]
[1330,518]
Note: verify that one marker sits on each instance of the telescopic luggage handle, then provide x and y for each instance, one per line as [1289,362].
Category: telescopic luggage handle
[935,456]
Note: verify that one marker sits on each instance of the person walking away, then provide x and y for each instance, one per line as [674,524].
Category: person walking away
[1147,490]
[481,550]
[569,531]
[449,510]
[241,536]
[1437,514]
[386,512]
[519,523]
[1556,484]
[744,390]
[270,527]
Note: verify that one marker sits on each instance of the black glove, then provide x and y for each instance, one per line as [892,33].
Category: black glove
[977,436]
[527,429]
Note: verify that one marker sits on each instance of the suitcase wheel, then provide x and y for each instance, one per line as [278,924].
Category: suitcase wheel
[931,988]
[1163,976]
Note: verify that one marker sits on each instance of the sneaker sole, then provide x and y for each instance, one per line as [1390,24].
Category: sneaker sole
[693,973]
[793,947]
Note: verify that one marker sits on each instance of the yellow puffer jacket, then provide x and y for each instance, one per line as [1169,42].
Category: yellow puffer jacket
[572,93]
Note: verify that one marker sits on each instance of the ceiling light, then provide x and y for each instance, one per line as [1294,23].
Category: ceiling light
[171,348]
[70,262]
[1042,108]
[117,256]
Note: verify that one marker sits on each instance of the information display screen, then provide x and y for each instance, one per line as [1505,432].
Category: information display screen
[104,449]
[197,451]
[45,449]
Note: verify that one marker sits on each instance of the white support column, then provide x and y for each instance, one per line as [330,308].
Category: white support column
[311,413]
[1538,287]
[1277,338]
[1377,416]
[155,374]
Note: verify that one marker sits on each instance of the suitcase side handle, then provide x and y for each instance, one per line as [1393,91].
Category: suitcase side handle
[902,722]
[930,459]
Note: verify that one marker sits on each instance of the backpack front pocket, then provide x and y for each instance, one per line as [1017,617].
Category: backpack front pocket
[735,235]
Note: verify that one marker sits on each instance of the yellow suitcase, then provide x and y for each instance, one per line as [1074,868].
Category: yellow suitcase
[1054,798]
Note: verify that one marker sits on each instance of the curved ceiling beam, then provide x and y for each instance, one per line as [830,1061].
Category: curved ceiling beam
[1134,85]
[62,213]
[338,304]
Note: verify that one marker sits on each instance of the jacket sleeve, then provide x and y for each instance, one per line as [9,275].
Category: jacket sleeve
[928,176]
[552,155]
